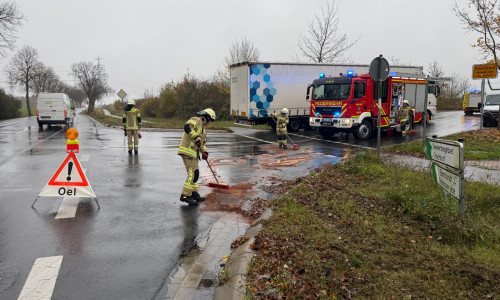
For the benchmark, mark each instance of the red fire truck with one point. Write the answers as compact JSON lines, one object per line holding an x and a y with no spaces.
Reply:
{"x":350,"y":104}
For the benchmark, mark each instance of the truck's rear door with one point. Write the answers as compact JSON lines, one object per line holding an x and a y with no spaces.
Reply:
{"x":240,"y":91}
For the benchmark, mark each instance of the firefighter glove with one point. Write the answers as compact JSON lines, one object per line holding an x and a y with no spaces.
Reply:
{"x":197,"y":141}
{"x":204,"y":155}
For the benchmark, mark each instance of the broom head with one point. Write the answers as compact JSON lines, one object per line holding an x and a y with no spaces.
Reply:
{"x":295,"y":147}
{"x":218,"y":185}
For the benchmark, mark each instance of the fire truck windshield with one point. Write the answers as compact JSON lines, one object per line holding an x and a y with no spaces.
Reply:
{"x":336,"y":91}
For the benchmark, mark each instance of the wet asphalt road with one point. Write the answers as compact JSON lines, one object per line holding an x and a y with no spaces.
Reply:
{"x":131,"y":246}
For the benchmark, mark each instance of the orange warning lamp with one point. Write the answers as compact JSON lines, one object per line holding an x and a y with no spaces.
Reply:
{"x":72,"y":143}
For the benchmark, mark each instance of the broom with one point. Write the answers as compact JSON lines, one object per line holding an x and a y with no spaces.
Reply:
{"x":295,"y":146}
{"x":217,"y":185}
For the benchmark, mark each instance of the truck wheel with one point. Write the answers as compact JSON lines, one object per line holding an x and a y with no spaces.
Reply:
{"x":294,"y":125}
{"x":326,"y":133}
{"x":364,"y":131}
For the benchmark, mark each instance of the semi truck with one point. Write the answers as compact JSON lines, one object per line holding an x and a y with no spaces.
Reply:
{"x":472,"y":102}
{"x":349,"y":103}
{"x":259,"y":89}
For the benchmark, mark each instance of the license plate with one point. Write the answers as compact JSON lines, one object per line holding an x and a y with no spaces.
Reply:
{"x":328,"y":120}
{"x":45,"y":117}
{"x":328,"y":123}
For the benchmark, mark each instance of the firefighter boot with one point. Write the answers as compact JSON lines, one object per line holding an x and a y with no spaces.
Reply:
{"x":284,"y":146}
{"x":189,"y":200}
{"x":136,"y":151}
{"x":197,"y":197}
{"x":281,"y":146}
{"x":129,"y":151}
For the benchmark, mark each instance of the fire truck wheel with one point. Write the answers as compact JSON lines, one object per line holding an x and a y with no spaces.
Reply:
{"x":364,"y":131}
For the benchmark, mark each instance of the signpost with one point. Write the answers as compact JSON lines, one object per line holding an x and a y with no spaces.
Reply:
{"x":447,"y":167}
{"x":379,"y":71}
{"x":482,"y":72}
{"x":122,"y":95}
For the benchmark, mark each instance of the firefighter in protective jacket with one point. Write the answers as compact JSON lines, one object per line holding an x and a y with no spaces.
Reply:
{"x":193,"y":142}
{"x":404,"y":115}
{"x":281,"y":123}
{"x":131,"y":124}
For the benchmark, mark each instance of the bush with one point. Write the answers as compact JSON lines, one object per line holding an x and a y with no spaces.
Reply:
{"x":150,"y":107}
{"x":9,"y":107}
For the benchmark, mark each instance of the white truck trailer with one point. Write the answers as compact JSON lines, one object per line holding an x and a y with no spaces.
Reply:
{"x":259,"y":89}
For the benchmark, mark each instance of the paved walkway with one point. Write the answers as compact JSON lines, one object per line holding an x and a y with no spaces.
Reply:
{"x":482,"y":171}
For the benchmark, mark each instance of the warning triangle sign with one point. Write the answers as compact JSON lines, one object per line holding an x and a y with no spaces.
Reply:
{"x":68,"y":181}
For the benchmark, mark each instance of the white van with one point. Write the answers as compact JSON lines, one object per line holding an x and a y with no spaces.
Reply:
{"x":53,"y":108}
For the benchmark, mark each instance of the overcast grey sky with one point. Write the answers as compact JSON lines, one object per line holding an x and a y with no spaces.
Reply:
{"x":146,"y":43}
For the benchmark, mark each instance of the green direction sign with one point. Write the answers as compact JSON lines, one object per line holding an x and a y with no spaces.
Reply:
{"x":445,"y":152}
{"x":448,"y":181}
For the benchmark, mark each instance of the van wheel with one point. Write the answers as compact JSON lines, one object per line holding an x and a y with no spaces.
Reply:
{"x":40,"y":125}
{"x":485,"y":124}
{"x":294,"y":125}
{"x":364,"y":131}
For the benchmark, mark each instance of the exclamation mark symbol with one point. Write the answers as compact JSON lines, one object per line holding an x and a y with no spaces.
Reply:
{"x":70,"y":166}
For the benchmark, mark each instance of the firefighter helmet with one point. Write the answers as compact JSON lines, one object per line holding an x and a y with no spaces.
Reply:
{"x":207,"y":112}
{"x":284,"y":110}
{"x":131,"y":102}
{"x":406,"y":102}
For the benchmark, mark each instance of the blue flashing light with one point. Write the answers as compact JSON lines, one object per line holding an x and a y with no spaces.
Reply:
{"x":473,"y":90}
{"x":321,"y":75}
{"x":350,"y":73}
{"x":392,"y":74}
{"x":337,"y":114}
{"x":317,"y":114}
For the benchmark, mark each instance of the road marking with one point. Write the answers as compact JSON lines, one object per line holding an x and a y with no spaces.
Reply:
{"x":333,"y":142}
{"x":42,"y":278}
{"x":254,"y":138}
{"x":85,"y":157}
{"x":28,"y":148}
{"x":68,"y":207}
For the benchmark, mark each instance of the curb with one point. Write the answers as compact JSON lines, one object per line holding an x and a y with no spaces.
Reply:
{"x":237,"y":264}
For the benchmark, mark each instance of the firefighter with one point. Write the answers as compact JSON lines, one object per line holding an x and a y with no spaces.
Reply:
{"x":131,"y":124}
{"x":281,"y":123}
{"x":404,"y":117}
{"x":193,"y":142}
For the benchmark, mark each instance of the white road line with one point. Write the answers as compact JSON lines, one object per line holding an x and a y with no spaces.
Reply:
{"x":68,"y":207}
{"x":42,"y":278}
{"x":328,"y":141}
{"x":85,"y":157}
{"x":254,"y":138}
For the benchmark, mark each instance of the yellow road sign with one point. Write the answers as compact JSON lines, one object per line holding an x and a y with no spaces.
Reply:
{"x":484,"y":71}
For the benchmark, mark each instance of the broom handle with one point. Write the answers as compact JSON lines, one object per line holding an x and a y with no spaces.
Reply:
{"x":212,"y":171}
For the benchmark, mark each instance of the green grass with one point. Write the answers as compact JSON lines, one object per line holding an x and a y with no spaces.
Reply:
{"x":24,"y":111}
{"x":477,"y":145}
{"x":174,"y":123}
{"x":367,"y":230}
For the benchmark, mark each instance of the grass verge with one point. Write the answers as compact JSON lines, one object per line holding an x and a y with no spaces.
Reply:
{"x":478,"y":145}
{"x":173,"y":123}
{"x":367,"y":230}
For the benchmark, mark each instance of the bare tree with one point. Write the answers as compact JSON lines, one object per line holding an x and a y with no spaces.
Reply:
{"x":93,"y":80}
{"x":435,"y":69}
{"x":21,"y":70}
{"x":484,"y":20}
{"x":10,"y":20}
{"x":75,"y":94}
{"x":242,"y":51}
{"x":45,"y":80}
{"x":324,"y":43}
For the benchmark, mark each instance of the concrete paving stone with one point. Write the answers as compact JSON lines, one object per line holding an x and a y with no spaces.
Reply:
{"x":211,"y":249}
{"x":192,"y":280}
{"x":204,"y":258}
{"x":228,"y":293}
{"x":172,"y":290}
{"x":197,"y":269}
{"x":184,"y":293}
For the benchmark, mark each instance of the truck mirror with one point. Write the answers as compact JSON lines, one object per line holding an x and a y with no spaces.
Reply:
{"x":438,"y":90}
{"x":308,"y":90}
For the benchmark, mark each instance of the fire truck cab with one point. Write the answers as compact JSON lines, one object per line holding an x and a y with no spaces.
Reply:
{"x":350,"y":103}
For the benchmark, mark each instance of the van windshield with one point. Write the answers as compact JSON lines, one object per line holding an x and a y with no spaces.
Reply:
{"x":340,"y":91}
{"x":492,"y":100}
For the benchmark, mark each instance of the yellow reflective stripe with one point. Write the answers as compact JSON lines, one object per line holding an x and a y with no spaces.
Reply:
{"x":203,"y":148}
{"x":187,"y":151}
{"x":188,"y":187}
{"x":192,"y":134}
